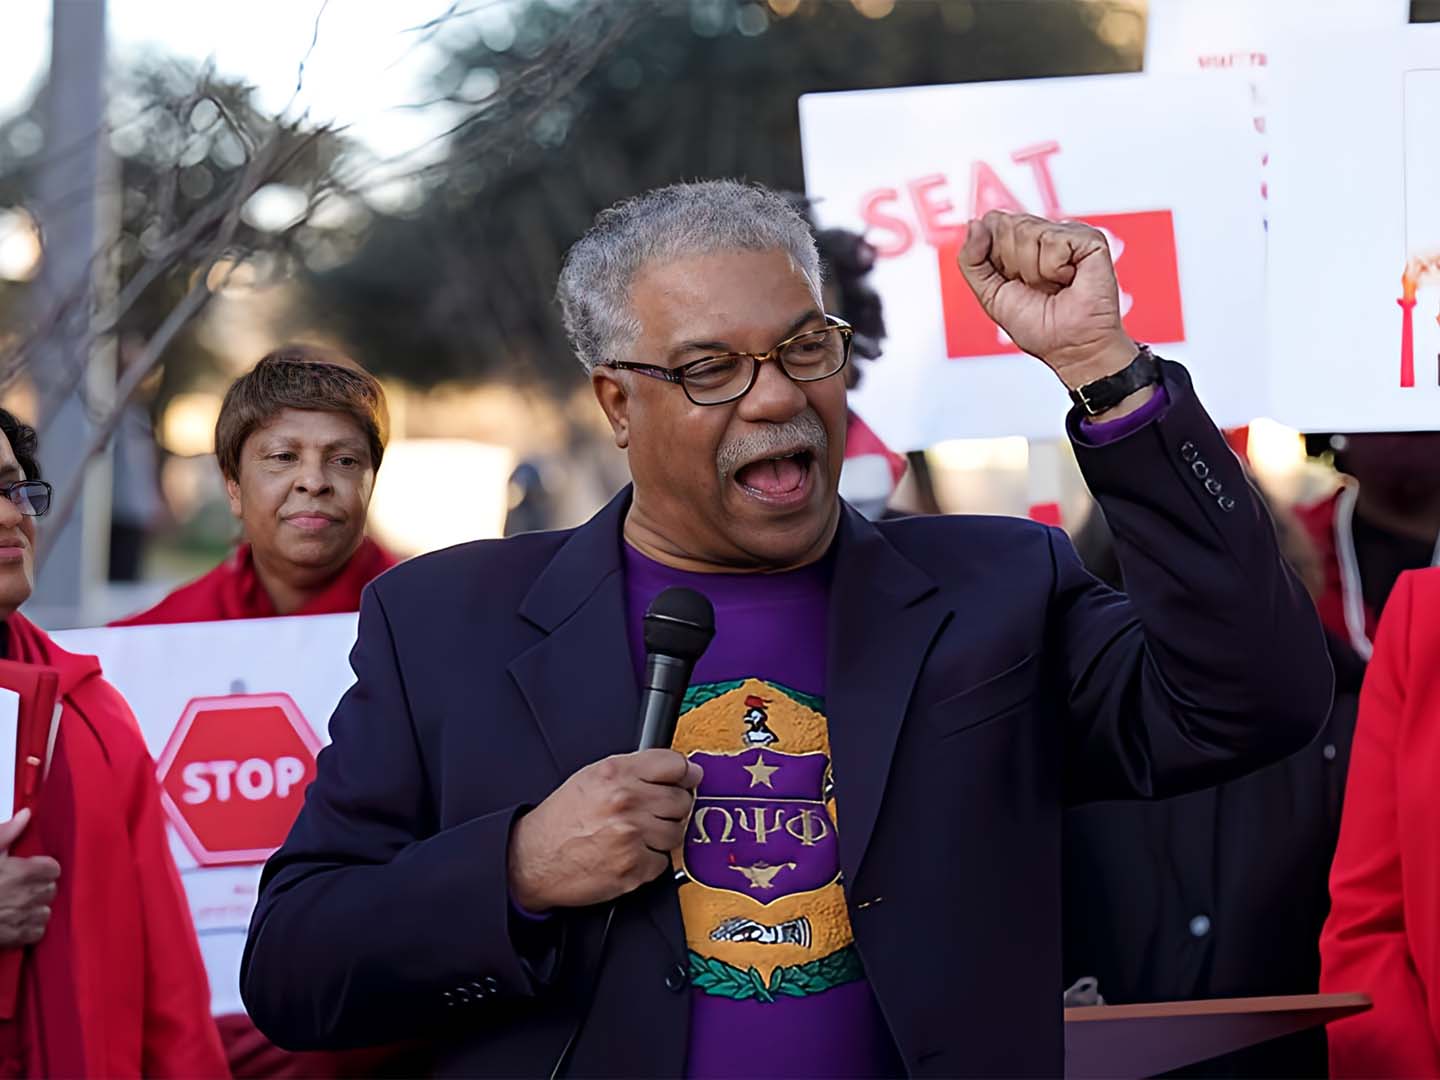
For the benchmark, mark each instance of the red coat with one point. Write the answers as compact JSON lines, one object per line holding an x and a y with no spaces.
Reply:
{"x":1383,"y":933}
{"x":233,"y":591}
{"x":116,"y":987}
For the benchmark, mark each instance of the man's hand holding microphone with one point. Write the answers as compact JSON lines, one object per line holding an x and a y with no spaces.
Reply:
{"x":606,"y":831}
{"x":611,"y":826}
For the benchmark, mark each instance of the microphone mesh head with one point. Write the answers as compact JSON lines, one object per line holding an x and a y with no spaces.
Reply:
{"x":679,"y":622}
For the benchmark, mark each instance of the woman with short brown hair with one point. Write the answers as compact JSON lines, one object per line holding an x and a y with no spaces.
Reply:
{"x":299,"y":440}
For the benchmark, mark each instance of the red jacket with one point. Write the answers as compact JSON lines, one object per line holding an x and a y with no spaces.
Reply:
{"x":1383,"y":933}
{"x":116,"y":987}
{"x":233,"y":591}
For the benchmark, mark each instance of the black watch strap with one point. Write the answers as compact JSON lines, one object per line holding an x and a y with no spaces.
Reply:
{"x":1104,"y":394}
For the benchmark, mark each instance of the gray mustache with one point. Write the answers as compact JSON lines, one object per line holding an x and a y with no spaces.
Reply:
{"x":804,"y":432}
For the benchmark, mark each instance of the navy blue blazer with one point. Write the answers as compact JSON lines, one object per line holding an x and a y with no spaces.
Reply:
{"x":979,"y":680}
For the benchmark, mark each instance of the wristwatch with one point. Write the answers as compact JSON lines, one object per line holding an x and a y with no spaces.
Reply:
{"x":1104,"y":394}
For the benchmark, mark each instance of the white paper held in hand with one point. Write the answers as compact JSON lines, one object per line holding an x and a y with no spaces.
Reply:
{"x":9,"y":747}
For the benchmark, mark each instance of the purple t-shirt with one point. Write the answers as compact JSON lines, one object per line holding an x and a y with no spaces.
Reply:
{"x":777,"y":988}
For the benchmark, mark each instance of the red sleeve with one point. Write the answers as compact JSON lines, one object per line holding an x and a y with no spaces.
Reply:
{"x":180,"y":1036}
{"x":1364,"y":945}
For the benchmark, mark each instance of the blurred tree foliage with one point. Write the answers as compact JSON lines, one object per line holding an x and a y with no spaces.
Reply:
{"x":565,"y":106}
{"x":463,"y":286}
{"x":181,"y":140}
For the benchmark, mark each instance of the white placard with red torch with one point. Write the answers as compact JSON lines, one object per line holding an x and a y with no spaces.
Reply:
{"x":1354,"y":265}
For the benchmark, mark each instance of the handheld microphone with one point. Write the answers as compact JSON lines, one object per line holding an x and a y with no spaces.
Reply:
{"x":678,"y":627}
{"x":679,"y":624}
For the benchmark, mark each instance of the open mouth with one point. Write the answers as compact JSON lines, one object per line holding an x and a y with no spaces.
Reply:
{"x":784,"y":479}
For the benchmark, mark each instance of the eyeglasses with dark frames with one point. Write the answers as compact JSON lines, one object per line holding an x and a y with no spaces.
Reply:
{"x":808,"y":356}
{"x":31,"y":497}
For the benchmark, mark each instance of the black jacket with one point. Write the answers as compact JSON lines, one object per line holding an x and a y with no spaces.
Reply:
{"x":1221,"y":893}
{"x":978,"y":680}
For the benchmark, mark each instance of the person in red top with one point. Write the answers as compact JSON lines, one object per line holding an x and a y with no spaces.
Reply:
{"x":299,"y":440}
{"x":100,"y":970}
{"x":1383,"y":520}
{"x":1383,"y":934}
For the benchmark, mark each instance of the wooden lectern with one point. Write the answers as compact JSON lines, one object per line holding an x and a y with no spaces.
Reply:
{"x":1127,"y":1042}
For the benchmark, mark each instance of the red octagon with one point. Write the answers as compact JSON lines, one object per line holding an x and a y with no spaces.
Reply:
{"x":234,"y":773}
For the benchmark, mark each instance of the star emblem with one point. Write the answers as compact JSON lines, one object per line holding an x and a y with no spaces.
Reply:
{"x":760,"y":773}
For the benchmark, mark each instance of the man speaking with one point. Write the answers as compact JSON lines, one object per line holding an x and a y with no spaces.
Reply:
{"x":849,"y":863}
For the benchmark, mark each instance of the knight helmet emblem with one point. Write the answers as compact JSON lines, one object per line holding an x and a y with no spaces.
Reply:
{"x":757,"y":728}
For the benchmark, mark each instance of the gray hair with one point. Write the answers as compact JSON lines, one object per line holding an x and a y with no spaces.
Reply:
{"x":659,"y":226}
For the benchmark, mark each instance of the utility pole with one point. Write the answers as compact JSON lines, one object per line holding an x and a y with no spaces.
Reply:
{"x":74,"y":375}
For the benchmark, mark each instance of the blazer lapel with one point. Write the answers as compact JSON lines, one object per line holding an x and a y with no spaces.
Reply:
{"x":884,"y":615}
{"x":579,"y":679}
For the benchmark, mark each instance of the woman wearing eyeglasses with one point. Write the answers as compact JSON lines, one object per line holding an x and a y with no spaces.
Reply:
{"x":100,"y":970}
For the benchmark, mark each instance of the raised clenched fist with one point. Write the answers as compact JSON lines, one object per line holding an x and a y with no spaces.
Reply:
{"x":1051,"y":286}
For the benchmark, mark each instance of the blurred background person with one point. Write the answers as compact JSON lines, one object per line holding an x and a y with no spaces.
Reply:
{"x":299,"y":441}
{"x":532,"y":506}
{"x":1221,"y":893}
{"x":111,"y":982}
{"x":874,"y":479}
{"x":1382,"y":520}
{"x":137,"y":507}
{"x":1383,"y":933}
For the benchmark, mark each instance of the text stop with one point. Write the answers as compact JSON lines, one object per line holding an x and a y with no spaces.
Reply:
{"x":253,"y":779}
{"x":233,"y":775}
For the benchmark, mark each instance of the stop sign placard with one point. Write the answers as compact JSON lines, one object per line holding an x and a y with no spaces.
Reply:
{"x":234,"y":773}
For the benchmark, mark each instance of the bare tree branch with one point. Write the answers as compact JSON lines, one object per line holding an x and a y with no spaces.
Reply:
{"x":571,"y":59}
{"x":314,"y":40}
{"x":195,"y":243}
{"x":179,"y":317}
{"x":182,"y":313}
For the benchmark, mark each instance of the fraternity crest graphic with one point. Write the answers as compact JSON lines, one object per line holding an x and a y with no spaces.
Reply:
{"x":759,"y":871}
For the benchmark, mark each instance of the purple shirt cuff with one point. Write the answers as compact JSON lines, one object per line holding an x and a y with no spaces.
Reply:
{"x":528,"y":916}
{"x":1108,"y":431}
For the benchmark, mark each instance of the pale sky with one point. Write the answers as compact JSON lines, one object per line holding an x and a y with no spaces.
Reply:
{"x":364,"y":69}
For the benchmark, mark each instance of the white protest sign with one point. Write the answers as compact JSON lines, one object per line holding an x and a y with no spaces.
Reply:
{"x":1354,"y":248}
{"x":1229,"y":38}
{"x":1223,"y":38}
{"x":1164,"y":164}
{"x":1205,"y":35}
{"x":233,"y":713}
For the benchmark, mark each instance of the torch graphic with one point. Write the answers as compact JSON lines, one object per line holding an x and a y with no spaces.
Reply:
{"x":1417,"y":270}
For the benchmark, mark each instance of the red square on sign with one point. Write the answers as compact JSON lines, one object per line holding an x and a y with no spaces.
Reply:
{"x":1143,"y":247}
